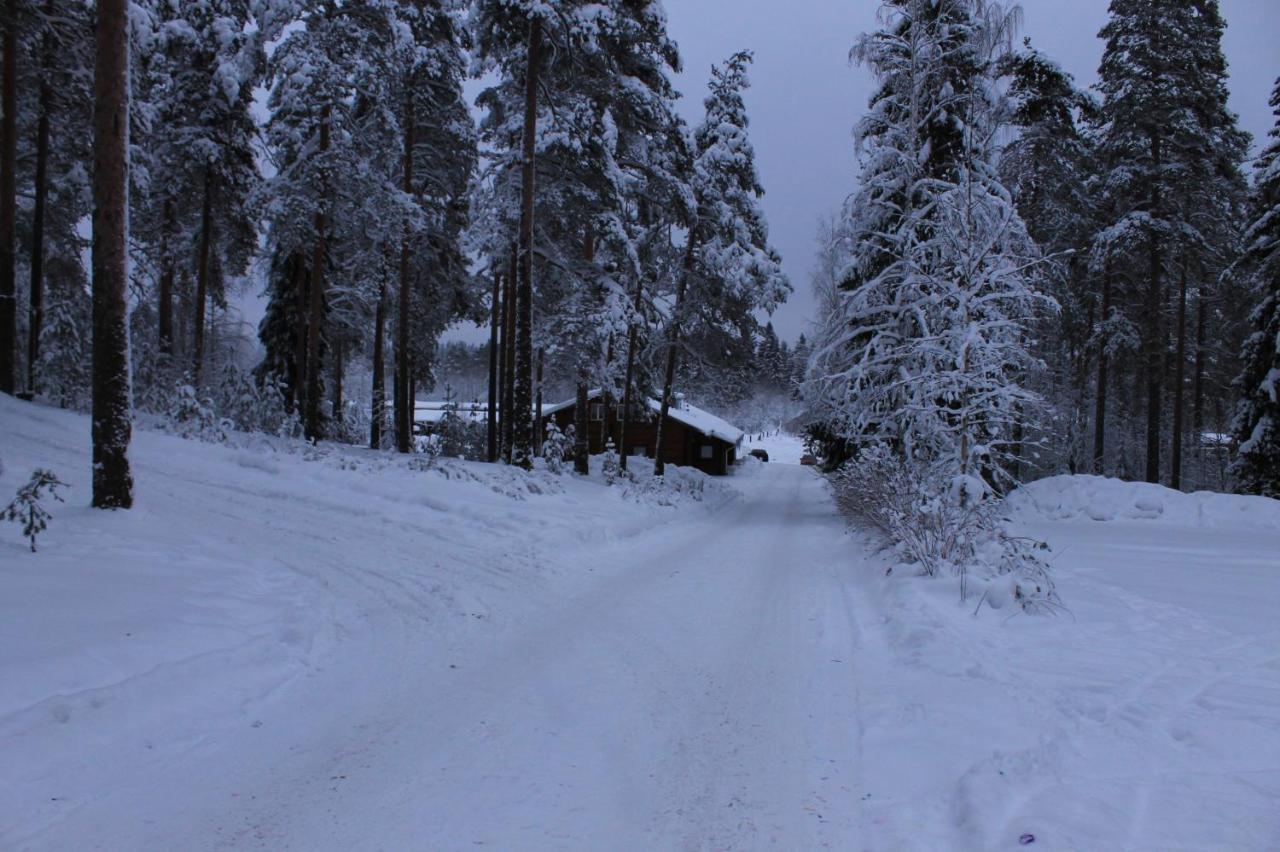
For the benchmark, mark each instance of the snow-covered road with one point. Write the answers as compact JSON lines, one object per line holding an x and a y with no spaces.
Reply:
{"x":697,"y":694}
{"x":287,"y":648}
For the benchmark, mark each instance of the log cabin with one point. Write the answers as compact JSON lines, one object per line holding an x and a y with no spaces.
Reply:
{"x":694,"y":438}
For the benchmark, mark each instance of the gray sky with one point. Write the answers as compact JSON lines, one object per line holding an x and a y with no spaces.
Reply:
{"x":805,"y":96}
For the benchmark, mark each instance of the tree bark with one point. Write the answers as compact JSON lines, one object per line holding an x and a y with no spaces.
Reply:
{"x":522,"y":398}
{"x":404,"y":400}
{"x":1100,"y":399}
{"x":379,"y":369}
{"x":337,"y":381}
{"x":628,"y":398}
{"x":491,"y":415}
{"x":673,"y":348}
{"x":1180,"y":368}
{"x":166,"y":284}
{"x":537,"y":405}
{"x":315,"y":320}
{"x":202,"y":280}
{"x":36,"y":317}
{"x":8,"y":204}
{"x":112,"y":394}
{"x":302,"y":287}
{"x":581,"y":423}
{"x":506,"y":420}
{"x":1154,"y":345}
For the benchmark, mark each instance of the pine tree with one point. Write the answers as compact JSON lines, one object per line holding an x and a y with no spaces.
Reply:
{"x":1168,"y":143}
{"x":729,"y":269}
{"x":112,"y":404}
{"x":1256,"y":467}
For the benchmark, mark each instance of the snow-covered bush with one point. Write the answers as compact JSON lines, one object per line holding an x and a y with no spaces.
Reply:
{"x":557,"y":447}
{"x":943,"y":524}
{"x":26,"y":508}
{"x":256,"y":406}
{"x":190,"y":415}
{"x":353,"y":427}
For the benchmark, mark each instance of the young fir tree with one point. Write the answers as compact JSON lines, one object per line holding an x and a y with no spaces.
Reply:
{"x":926,"y":349}
{"x":729,"y":270}
{"x":1256,"y":467}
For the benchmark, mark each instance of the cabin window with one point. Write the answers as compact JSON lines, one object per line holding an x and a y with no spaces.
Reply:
{"x":707,"y":452}
{"x":597,"y":411}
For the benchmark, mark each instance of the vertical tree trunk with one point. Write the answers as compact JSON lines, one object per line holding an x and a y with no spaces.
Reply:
{"x":302,"y":287}
{"x":404,"y":400}
{"x":8,"y":203}
{"x":379,"y":369}
{"x":506,"y":420}
{"x":36,"y":319}
{"x":522,"y":398}
{"x":202,"y":280}
{"x":1100,"y":399}
{"x":537,"y":405}
{"x":491,"y":415}
{"x":628,"y":394}
{"x":1197,"y":384}
{"x":315,"y":319}
{"x":673,"y":348}
{"x":166,"y":283}
{"x":337,"y":380}
{"x":112,"y":394}
{"x":1180,"y":369}
{"x":1154,"y":345}
{"x":581,"y":423}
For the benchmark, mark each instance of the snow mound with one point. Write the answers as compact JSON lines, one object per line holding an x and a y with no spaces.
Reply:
{"x":1099,"y":498}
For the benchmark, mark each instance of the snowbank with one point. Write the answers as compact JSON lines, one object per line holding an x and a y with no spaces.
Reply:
{"x":1097,"y":498}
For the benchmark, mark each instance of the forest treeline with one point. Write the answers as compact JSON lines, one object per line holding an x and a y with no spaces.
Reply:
{"x":324,"y":147}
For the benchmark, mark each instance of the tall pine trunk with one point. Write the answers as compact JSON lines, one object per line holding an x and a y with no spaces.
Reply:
{"x":1100,"y":398}
{"x":315,"y":313}
{"x":112,"y":394}
{"x":1180,"y":369}
{"x":8,"y":203}
{"x":522,"y":398}
{"x":404,"y":400}
{"x":301,"y":291}
{"x":202,"y":280}
{"x":673,"y":349}
{"x":628,"y":397}
{"x":166,"y":283}
{"x":491,"y":415}
{"x":1154,"y":345}
{"x":506,"y":420}
{"x":537,"y":404}
{"x":581,"y":423}
{"x":337,"y":380}
{"x":36,"y":316}
{"x":379,"y":369}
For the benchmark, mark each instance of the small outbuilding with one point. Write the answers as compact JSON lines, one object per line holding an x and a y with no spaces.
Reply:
{"x":694,"y":438}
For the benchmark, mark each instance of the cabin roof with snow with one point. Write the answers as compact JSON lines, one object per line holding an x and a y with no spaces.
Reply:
{"x":681,"y":411}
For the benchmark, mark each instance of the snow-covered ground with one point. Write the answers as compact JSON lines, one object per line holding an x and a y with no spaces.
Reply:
{"x":281,"y":649}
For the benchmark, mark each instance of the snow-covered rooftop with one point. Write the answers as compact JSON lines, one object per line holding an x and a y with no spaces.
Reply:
{"x":690,"y":415}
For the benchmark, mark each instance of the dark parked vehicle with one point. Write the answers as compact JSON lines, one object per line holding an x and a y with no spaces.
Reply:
{"x":808,"y":458}
{"x":760,"y":454}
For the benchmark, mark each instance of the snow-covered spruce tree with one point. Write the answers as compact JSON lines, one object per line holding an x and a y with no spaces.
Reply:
{"x":1045,"y":169}
{"x":203,"y":172}
{"x":1167,"y":143}
{"x":729,"y":270}
{"x":929,"y":343}
{"x":1256,"y":468}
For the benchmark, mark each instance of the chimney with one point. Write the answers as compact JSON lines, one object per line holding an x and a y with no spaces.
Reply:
{"x":679,"y":398}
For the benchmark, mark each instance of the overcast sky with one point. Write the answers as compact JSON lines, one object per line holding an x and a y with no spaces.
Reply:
{"x":805,"y":96}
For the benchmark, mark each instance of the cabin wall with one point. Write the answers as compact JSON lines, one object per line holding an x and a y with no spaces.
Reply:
{"x":681,"y":446}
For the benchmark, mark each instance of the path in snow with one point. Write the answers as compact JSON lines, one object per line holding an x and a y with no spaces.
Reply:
{"x":699,"y":695}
